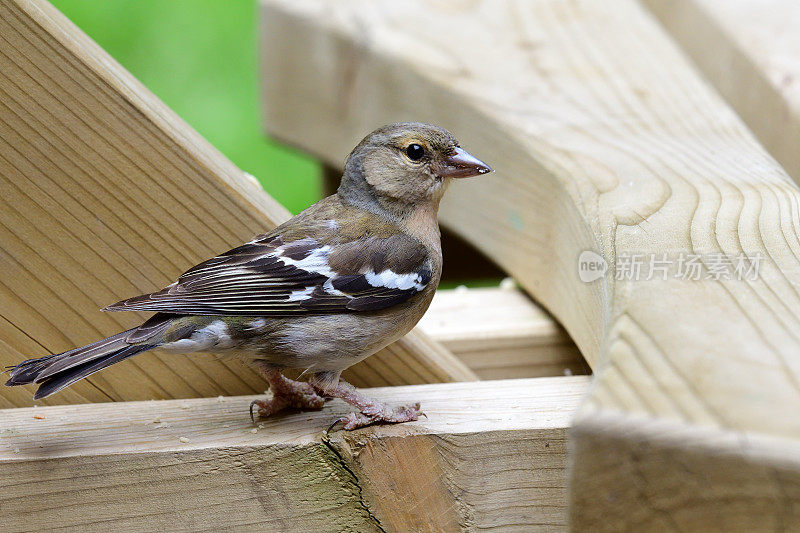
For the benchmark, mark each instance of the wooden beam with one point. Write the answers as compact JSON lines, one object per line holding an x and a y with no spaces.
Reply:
{"x":500,"y":333}
{"x":106,"y":193}
{"x":749,"y":51}
{"x":604,"y":140}
{"x":489,"y":454}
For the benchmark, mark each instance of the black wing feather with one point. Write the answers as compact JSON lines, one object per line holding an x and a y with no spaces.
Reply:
{"x":269,"y":278}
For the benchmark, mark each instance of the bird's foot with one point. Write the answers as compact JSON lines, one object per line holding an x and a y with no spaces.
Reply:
{"x":378,"y":413}
{"x":286,"y":393}
{"x":370,"y":411}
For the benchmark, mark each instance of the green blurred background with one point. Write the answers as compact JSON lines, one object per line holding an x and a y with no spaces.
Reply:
{"x":199,"y":57}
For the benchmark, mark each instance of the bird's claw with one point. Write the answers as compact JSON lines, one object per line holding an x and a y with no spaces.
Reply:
{"x":265,"y":408}
{"x":387,"y":415}
{"x":335,"y":422}
{"x":252,"y":417}
{"x":296,"y":399}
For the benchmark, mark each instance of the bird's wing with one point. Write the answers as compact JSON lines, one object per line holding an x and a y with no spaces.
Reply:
{"x":270,"y":277}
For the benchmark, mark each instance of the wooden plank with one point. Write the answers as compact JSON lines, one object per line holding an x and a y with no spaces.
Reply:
{"x":604,"y":139}
{"x":105,"y":193}
{"x":487,"y":455}
{"x":500,"y":333}
{"x":750,"y":51}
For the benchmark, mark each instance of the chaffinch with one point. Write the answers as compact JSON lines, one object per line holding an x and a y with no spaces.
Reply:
{"x":331,"y":286}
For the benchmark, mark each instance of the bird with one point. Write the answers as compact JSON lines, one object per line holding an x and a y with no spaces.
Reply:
{"x":331,"y":286}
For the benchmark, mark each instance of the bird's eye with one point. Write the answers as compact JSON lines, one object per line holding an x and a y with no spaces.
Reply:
{"x":415,"y":152}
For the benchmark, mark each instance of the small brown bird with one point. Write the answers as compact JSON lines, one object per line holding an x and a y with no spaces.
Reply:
{"x":328,"y":288}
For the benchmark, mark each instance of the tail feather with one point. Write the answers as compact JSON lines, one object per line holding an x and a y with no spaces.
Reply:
{"x":84,"y":354}
{"x":26,"y":371}
{"x":56,"y":382}
{"x":57,"y":371}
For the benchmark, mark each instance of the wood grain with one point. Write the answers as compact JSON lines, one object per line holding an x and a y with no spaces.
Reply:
{"x":750,"y":51}
{"x":488,"y":455}
{"x":603,"y":138}
{"x":105,"y":193}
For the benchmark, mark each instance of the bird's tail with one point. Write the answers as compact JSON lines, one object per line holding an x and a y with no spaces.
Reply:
{"x":57,"y":371}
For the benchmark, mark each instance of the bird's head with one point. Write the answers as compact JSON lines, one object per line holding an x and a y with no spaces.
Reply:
{"x":407,"y":164}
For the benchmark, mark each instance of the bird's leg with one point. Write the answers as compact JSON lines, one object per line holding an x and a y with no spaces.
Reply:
{"x":285,"y":393}
{"x":370,"y":411}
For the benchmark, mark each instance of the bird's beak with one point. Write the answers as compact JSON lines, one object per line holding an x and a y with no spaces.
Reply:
{"x":462,"y":164}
